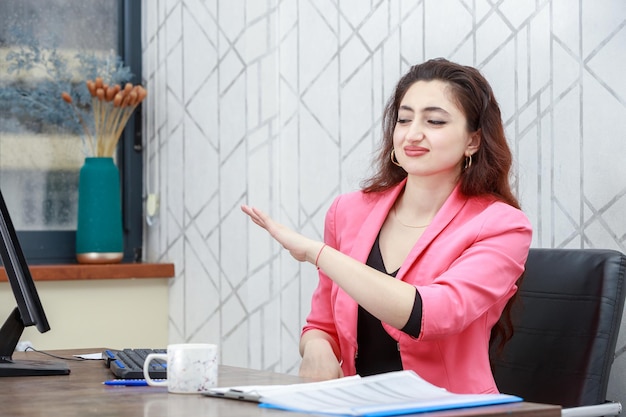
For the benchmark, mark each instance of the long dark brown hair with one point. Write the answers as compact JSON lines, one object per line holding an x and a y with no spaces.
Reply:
{"x":491,"y":164}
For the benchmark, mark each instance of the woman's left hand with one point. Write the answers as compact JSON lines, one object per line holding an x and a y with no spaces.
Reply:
{"x":299,"y":246}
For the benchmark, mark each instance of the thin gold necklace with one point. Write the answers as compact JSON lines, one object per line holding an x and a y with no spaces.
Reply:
{"x":395,"y":214}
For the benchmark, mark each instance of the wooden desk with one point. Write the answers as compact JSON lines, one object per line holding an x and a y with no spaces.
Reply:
{"x":82,"y":394}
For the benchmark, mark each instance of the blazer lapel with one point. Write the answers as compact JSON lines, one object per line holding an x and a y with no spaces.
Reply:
{"x":346,"y":308}
{"x":444,"y":216}
{"x":373,"y":222}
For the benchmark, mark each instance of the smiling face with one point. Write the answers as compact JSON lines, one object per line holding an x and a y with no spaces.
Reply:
{"x":431,"y":138}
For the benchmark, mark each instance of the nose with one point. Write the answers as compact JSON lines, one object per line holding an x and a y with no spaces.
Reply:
{"x":415,"y":132}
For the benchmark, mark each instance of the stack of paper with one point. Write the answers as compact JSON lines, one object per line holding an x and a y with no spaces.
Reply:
{"x":393,"y":393}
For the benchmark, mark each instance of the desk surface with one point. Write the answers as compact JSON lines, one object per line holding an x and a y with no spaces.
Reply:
{"x":82,"y":394}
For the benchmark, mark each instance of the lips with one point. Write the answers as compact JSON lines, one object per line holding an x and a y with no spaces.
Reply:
{"x":415,"y":151}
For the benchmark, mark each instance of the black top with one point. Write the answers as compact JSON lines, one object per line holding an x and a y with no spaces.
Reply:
{"x":377,"y":351}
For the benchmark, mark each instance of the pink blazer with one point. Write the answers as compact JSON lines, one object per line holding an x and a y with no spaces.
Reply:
{"x":464,"y":266}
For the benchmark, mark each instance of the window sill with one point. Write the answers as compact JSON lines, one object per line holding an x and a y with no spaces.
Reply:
{"x":88,"y":272}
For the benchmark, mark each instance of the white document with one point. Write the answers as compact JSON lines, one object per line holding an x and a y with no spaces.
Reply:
{"x":393,"y":393}
{"x":257,"y":392}
{"x":90,"y":356}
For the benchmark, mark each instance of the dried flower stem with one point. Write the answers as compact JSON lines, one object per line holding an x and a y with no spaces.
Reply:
{"x":112,"y":106}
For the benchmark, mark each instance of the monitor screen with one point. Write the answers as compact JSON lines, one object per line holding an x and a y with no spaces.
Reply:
{"x":28,"y":310}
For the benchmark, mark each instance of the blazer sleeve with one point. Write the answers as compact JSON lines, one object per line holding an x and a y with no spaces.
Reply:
{"x":482,"y":278}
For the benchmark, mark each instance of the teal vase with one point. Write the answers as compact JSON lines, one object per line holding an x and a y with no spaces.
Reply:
{"x":99,"y":236}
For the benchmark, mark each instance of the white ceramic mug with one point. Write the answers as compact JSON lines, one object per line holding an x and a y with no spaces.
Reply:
{"x":191,"y":368}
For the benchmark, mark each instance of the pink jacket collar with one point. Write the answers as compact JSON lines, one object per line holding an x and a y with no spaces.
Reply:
{"x":378,"y":213}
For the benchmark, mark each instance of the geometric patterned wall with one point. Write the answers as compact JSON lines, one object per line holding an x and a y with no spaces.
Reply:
{"x":277,"y":103}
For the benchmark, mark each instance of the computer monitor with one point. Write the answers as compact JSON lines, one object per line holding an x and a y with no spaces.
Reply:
{"x":28,"y":312}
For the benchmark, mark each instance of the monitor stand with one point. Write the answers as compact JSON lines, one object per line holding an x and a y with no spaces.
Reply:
{"x":10,"y":334}
{"x":33,"y":368}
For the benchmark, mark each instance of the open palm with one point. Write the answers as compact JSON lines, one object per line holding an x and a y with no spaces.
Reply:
{"x":298,"y":245}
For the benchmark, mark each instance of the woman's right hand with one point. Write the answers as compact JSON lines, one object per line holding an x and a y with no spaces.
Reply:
{"x":319,"y":361}
{"x":299,"y":246}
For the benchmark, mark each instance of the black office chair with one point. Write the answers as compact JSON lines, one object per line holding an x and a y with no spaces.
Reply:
{"x":566,"y":323}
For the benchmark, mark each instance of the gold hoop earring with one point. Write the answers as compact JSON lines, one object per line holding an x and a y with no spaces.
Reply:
{"x":394,"y":160}
{"x":468,"y":161}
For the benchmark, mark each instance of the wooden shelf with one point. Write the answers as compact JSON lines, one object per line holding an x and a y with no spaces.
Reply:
{"x":106,"y":271}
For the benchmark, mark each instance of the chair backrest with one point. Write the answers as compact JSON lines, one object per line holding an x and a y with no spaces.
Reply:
{"x":566,"y":323}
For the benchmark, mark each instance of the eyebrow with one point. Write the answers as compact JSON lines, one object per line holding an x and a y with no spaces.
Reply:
{"x":425,"y":109}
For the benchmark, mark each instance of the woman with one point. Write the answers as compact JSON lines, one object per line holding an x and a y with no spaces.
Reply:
{"x":416,"y":268}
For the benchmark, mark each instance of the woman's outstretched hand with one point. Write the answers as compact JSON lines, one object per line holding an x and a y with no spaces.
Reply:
{"x":299,"y":246}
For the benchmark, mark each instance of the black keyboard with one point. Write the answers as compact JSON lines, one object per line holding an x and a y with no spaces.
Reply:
{"x":128,"y":363}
